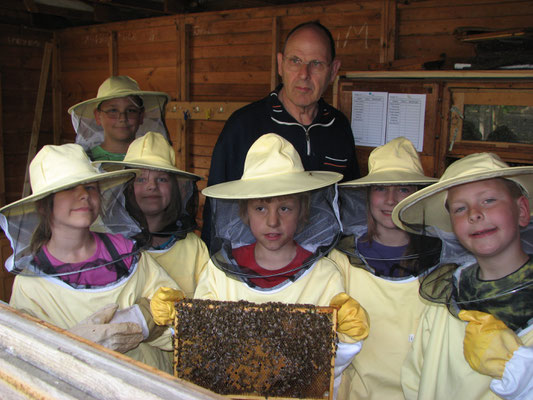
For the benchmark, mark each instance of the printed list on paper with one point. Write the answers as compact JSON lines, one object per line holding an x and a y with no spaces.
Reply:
{"x":378,"y":117}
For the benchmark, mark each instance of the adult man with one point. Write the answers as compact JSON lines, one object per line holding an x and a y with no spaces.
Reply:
{"x":295,"y":110}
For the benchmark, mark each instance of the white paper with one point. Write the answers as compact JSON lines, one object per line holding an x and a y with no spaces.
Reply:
{"x":378,"y":117}
{"x":405,"y":117}
{"x":369,"y":110}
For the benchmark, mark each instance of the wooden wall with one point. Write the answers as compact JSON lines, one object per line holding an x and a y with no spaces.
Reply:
{"x":21,"y":54}
{"x":222,"y":57}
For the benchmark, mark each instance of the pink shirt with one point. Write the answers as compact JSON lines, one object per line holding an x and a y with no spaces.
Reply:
{"x":98,"y":276}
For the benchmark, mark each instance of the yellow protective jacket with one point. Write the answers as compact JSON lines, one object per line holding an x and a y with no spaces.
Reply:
{"x":394,"y":309}
{"x":318,"y":285}
{"x":184,"y":261}
{"x":53,"y":301}
{"x":436,"y":369}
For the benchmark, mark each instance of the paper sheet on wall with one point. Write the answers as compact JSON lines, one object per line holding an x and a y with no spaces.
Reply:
{"x":378,"y":117}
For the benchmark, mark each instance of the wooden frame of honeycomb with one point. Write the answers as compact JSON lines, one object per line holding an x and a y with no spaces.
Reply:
{"x":255,"y":351}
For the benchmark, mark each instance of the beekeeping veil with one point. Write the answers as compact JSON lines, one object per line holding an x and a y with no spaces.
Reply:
{"x":427,"y":208}
{"x":89,"y":134}
{"x":395,"y":163}
{"x":152,"y":151}
{"x":55,"y":169}
{"x":273,"y":168}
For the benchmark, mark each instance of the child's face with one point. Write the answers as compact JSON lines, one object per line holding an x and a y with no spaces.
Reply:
{"x":383,"y":199}
{"x":76,"y":208}
{"x":153,"y":191}
{"x":119,"y":118}
{"x":274,"y":222}
{"x":486,"y":218}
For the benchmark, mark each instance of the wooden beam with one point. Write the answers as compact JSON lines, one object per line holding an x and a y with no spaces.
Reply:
{"x":388,"y":32}
{"x":181,"y":145}
{"x":451,"y":74}
{"x":56,"y":91}
{"x":2,"y":164}
{"x":47,"y":362}
{"x":113,"y":54}
{"x":184,"y":60}
{"x":202,"y":110}
{"x":34,"y":139}
{"x":274,"y":55}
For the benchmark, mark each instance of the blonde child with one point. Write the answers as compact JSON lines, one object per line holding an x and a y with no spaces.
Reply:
{"x":381,"y":266}
{"x":95,"y":285}
{"x":478,"y":343}
{"x":272,"y":229}
{"x":107,"y":124}
{"x":164,"y":200}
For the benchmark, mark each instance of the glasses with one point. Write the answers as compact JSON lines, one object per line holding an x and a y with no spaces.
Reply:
{"x":130,"y":113}
{"x":314,"y":66}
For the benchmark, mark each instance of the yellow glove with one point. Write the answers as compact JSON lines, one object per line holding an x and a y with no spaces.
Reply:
{"x":352,"y":319}
{"x":488,"y":343}
{"x":162,"y":305}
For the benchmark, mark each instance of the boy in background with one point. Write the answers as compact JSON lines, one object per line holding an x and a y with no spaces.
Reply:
{"x":107,"y":124}
{"x":480,"y":346}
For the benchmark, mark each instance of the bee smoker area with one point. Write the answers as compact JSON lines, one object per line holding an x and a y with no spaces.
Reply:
{"x":248,"y":350}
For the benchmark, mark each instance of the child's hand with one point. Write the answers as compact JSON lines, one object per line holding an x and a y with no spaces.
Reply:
{"x":162,"y":305}
{"x":97,"y":328}
{"x":352,"y":319}
{"x":488,"y":343}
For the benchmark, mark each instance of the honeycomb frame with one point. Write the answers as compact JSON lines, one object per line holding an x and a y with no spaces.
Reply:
{"x":256,"y":351}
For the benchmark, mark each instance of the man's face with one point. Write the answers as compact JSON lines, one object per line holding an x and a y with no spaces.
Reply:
{"x":303,"y":85}
{"x":486,"y":218}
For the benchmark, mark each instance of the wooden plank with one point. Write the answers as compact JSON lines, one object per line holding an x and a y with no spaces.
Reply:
{"x":249,"y":77}
{"x":56,"y":92}
{"x":206,"y":110}
{"x":38,"y":114}
{"x":2,"y":164}
{"x":448,"y":25}
{"x":229,"y":92}
{"x":230,"y":64}
{"x":113,"y":54}
{"x":184,"y":56}
{"x":182,"y":142}
{"x":274,"y":55}
{"x":456,"y":74}
{"x":231,"y":39}
{"x":419,"y":11}
{"x":81,"y":365}
{"x":388,"y":34}
{"x":148,"y":55}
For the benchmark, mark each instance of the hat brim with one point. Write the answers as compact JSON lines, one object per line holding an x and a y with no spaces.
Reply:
{"x":391,"y":177}
{"x":141,"y":165}
{"x":106,"y":180}
{"x":426,"y":207}
{"x":271,"y":186}
{"x":150,"y":99}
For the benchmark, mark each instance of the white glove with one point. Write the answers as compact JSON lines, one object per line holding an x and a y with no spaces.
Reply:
{"x":97,"y":328}
{"x":131,"y":314}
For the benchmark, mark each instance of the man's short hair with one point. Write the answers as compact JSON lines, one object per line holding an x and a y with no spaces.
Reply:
{"x":315,"y":24}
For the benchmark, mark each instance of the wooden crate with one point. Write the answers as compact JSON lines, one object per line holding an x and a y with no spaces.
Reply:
{"x":248,"y":350}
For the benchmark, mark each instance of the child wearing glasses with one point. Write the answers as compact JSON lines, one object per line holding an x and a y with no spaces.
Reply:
{"x":107,"y":124}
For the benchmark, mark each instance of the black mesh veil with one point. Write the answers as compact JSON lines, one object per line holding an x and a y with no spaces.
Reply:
{"x":318,"y":236}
